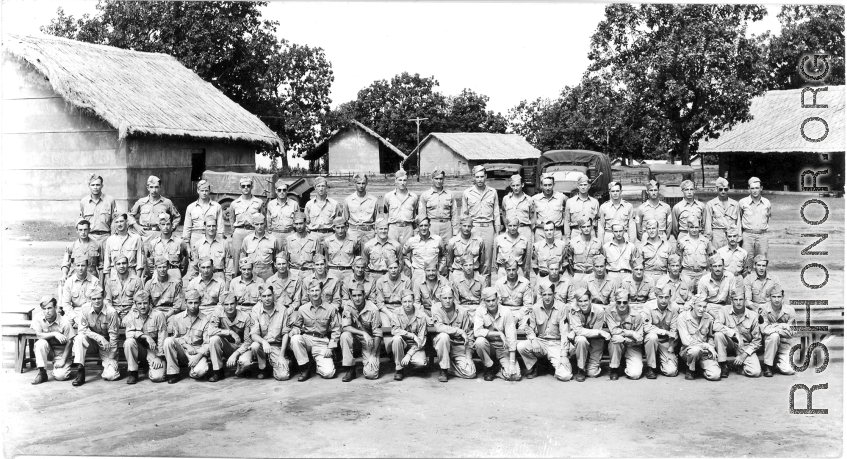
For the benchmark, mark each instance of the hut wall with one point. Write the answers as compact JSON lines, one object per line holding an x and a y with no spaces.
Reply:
{"x":739,"y":167}
{"x":50,"y":149}
{"x":353,"y":150}
{"x":435,"y":153}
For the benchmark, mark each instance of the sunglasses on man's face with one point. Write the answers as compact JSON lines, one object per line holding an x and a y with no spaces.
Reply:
{"x":723,"y":189}
{"x":622,"y":302}
{"x":282,"y":190}
{"x":246,"y":186}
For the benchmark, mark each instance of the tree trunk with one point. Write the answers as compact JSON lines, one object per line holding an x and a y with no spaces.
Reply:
{"x":684,"y":155}
{"x":286,"y":169}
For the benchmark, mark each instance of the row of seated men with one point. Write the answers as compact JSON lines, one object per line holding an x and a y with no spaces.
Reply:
{"x":557,"y":327}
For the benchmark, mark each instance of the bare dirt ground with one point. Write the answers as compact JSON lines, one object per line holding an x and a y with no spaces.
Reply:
{"x":419,"y":416}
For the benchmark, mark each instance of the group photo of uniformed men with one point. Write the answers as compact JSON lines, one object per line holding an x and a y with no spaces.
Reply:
{"x":532,"y":285}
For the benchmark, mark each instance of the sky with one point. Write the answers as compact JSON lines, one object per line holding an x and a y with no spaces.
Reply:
{"x":507,"y":51}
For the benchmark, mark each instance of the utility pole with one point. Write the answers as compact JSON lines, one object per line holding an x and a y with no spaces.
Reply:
{"x":417,"y":121}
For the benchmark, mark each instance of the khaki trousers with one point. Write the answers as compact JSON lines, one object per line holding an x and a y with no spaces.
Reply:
{"x":453,"y":357}
{"x":279,"y":362}
{"x":361,"y":236}
{"x":751,"y":366}
{"x":303,"y":345}
{"x":400,"y":234}
{"x":134,"y":350}
{"x":588,"y":352}
{"x":697,"y":354}
{"x":397,"y":346}
{"x":175,"y":356}
{"x":777,"y":351}
{"x":219,"y":351}
{"x":109,"y":357}
{"x":264,"y":271}
{"x":754,"y":244}
{"x":370,"y":355}
{"x":668,"y":364}
{"x":443,"y":229}
{"x":552,"y":350}
{"x":483,"y":350}
{"x":719,"y":238}
{"x":238,"y":235}
{"x":45,"y":352}
{"x":633,"y":354}
{"x":486,"y":233}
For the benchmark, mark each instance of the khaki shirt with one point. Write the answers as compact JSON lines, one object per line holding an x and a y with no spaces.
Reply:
{"x":457,"y":247}
{"x":639,"y":292}
{"x":400,"y":208}
{"x":736,"y":261}
{"x":682,"y":289}
{"x":563,"y":290}
{"x":247,"y":292}
{"x":146,"y":212}
{"x":755,"y":216}
{"x":459,"y":321}
{"x":724,"y":213}
{"x":508,"y":247}
{"x":61,"y":324}
{"x":502,"y":321}
{"x":319,"y":215}
{"x":693,"y":332}
{"x":100,"y":213}
{"x":281,"y":216}
{"x":195,"y":216}
{"x":221,"y":325}
{"x":694,"y":254}
{"x":129,"y":245}
{"x":544,"y":252}
{"x":786,"y":315}
{"x":656,"y":255}
{"x":577,"y":208}
{"x":388,"y":292}
{"x":661,"y":212}
{"x":581,"y":252}
{"x":522,"y":208}
{"x":416,"y":324}
{"x":318,"y":319}
{"x":620,"y":256}
{"x":425,"y":295}
{"x":105,"y":323}
{"x":467,"y":291}
{"x":438,"y":204}
{"x":79,"y":250}
{"x":541,"y":324}
{"x":166,"y":293}
{"x":219,"y":251}
{"x":211,"y":292}
{"x":756,"y":288}
{"x":746,"y":325}
{"x":259,"y":250}
{"x":119,"y":294}
{"x":154,"y":326}
{"x":632,"y":321}
{"x":361,"y":211}
{"x":366,"y":320}
{"x":580,"y":323}
{"x":340,"y":253}
{"x":420,"y":252}
{"x":190,"y":331}
{"x":269,"y":326}
{"x":375,"y":252}
{"x":601,"y":289}
{"x":330,"y":293}
{"x":682,"y":210}
{"x":482,"y":207}
{"x":514,"y":297}
{"x":174,"y":250}
{"x":287,"y":292}
{"x":301,"y":250}
{"x":655,"y":318}
{"x":716,"y":292}
{"x":242,"y":209}
{"x":609,"y":212}
{"x":78,"y":292}
{"x":550,"y":209}
{"x":349,"y":282}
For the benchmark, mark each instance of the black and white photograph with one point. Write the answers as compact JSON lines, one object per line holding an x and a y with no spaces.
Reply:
{"x":422,"y":229}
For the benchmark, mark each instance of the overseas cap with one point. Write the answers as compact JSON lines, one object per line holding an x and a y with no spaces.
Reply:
{"x":339,"y":221}
{"x":203,"y":184}
{"x":400,"y":174}
{"x":754,"y":180}
{"x":320,"y":180}
{"x":141,"y":296}
{"x":153,"y":180}
{"x":257,"y":218}
{"x":489,"y":292}
{"x":192,"y":294}
{"x":299,"y":217}
{"x":478,"y":169}
{"x":721,"y":182}
{"x":46,"y":299}
{"x":582,"y":178}
{"x":516,"y":179}
{"x":436,"y":172}
{"x":245,"y":181}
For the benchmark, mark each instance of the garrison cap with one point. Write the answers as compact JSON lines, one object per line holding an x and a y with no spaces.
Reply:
{"x":390,"y":258}
{"x":359,"y":260}
{"x":652,"y":183}
{"x":489,"y":292}
{"x":319,"y":258}
{"x":732,"y":230}
{"x":141,"y":296}
{"x":358,"y":288}
{"x":478,"y":169}
{"x":122,"y":257}
{"x":299,"y":217}
{"x":511,"y":262}
{"x":436,"y":172}
{"x":760,"y":257}
{"x":244,"y":262}
{"x":581,"y":178}
{"x":281,"y":183}
{"x":598,"y":259}
{"x":466,"y":219}
{"x":360,"y":176}
{"x":513,"y":220}
{"x":651,"y":222}
{"x":229,"y":297}
{"x":210,"y":219}
{"x":674,"y":258}
{"x":382,"y":222}
{"x":516,"y":179}
{"x":753,"y":180}
{"x":46,"y":299}
{"x":663,"y":290}
{"x":163,"y":216}
{"x":153,"y":180}
{"x":245,"y":181}
{"x":406,"y":292}
{"x":621,"y":294}
{"x":339,"y":221}
{"x":721,"y":182}
{"x":205,"y":260}
{"x":96,"y":293}
{"x":320,"y":180}
{"x":549,"y":175}
{"x":203,"y":184}
{"x":613,"y":184}
{"x":686,"y":183}
{"x":581,"y":291}
{"x":257,"y":218}
{"x":161,"y":261}
{"x":94,"y":177}
{"x":715,"y":259}
{"x":400,"y":174}
{"x":192,"y":294}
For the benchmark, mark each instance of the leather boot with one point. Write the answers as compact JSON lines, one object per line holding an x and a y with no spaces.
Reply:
{"x":40,"y":377}
{"x":350,"y":375}
{"x":650,"y":373}
{"x":132,"y":377}
{"x":80,"y":377}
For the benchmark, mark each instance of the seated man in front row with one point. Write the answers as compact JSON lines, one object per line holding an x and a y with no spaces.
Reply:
{"x":408,"y":336}
{"x":494,"y":327}
{"x":315,"y":330}
{"x":55,"y":335}
{"x":454,"y":342}
{"x":229,"y":338}
{"x":627,"y":329}
{"x":696,"y":330}
{"x":777,"y":324}
{"x":98,"y":323}
{"x":546,"y":327}
{"x":360,"y":321}
{"x":269,"y":336}
{"x":146,"y":331}
{"x":586,"y":320}
{"x":660,"y":334}
{"x":737,"y":328}
{"x":189,"y":340}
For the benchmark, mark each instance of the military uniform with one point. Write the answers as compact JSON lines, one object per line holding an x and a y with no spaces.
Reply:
{"x":754,"y":225}
{"x":661,"y":212}
{"x":483,"y":208}
{"x":193,"y":230}
{"x":94,"y":326}
{"x":174,"y":250}
{"x":166,"y":296}
{"x":340,"y":254}
{"x":330,"y":292}
{"x":441,"y":209}
{"x":426,"y":295}
{"x":682,"y":290}
{"x":420,"y":252}
{"x":457,"y":249}
{"x":581,"y":252}
{"x":740,"y":333}
{"x":128,"y":245}
{"x":50,"y":349}
{"x":118,"y":293}
{"x":242,"y":211}
{"x":468,"y":292}
{"x":261,"y":252}
{"x":502,"y":321}
{"x":145,"y":212}
{"x":736,"y":261}
{"x":452,"y":352}
{"x":80,"y":250}
{"x":657,"y":319}
{"x":619,"y":258}
{"x":642,"y":295}
{"x":287,"y":291}
{"x":544,"y":252}
{"x":601,"y":290}
{"x":301,"y":252}
{"x":349,"y":282}
{"x":246,"y":291}
{"x":401,"y":214}
{"x":549,"y":329}
{"x":563,"y":289}
{"x":187,"y":333}
{"x":511,"y":249}
{"x":630,"y":348}
{"x":722,"y":214}
{"x":694,"y":254}
{"x":575,"y":209}
{"x":655,"y":258}
{"x":717,"y":293}
{"x":271,"y":327}
{"x":361,"y":216}
{"x":319,"y":215}
{"x":367,"y":320}
{"x":388,"y":295}
{"x":514,"y":297}
{"x":588,"y":349}
{"x":221,"y":342}
{"x":211,"y":292}
{"x":755,"y":289}
{"x":610,"y":213}
{"x":135,"y":348}
{"x":698,"y":341}
{"x":523,"y":209}
{"x":99,"y":215}
{"x":319,"y":328}
{"x":375,"y":253}
{"x":281,"y":219}
{"x":777,"y":348}
{"x":220,"y":251}
{"x":76,"y":294}
{"x":682,"y":211}
{"x":401,"y":346}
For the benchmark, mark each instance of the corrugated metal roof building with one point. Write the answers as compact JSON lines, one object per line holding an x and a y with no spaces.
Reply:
{"x":459,"y":152}
{"x":783,"y":139}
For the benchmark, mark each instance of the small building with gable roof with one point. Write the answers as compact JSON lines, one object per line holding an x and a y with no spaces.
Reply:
{"x":357,"y":148}
{"x":459,"y":152}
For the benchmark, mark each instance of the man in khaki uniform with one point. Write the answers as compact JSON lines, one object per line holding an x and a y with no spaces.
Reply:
{"x":165,"y":289}
{"x":496,"y":335}
{"x":408,"y":337}
{"x":601,"y":287}
{"x":438,"y":205}
{"x":241,"y":210}
{"x":682,"y":287}
{"x":340,"y":249}
{"x":215,"y":247}
{"x":627,"y":329}
{"x":83,"y":247}
{"x":360,"y":321}
{"x":660,"y":334}
{"x":549,"y":206}
{"x":468,"y":288}
{"x":737,"y":328}
{"x":98,"y":323}
{"x":777,"y":325}
{"x":582,"y":249}
{"x":696,"y":330}
{"x":421,"y":250}
{"x":260,"y":248}
{"x":55,"y":336}
{"x":210,"y":288}
{"x":518,"y":205}
{"x":287,"y":288}
{"x":98,"y":209}
{"x":357,"y":278}
{"x":563,"y":289}
{"x":269,"y":336}
{"x":376,"y":250}
{"x":360,"y":210}
{"x":758,"y":282}
{"x":576,"y":208}
{"x":330,"y":285}
{"x":655,"y":250}
{"x":246,"y":287}
{"x":653,"y":209}
{"x":620,"y":254}
{"x":120,"y":289}
{"x":144,"y":215}
{"x":428,"y":289}
{"x":755,"y":216}
{"x":689,"y":210}
{"x":78,"y":290}
{"x":122,"y":243}
{"x":281,"y":214}
{"x":514,"y":290}
{"x":615,"y":210}
{"x":321,"y":210}
{"x":462,"y":245}
{"x":204,"y":207}
{"x":722,"y":212}
{"x":642,"y":296}
{"x":511,"y":245}
{"x":736,"y":260}
{"x":548,"y":250}
{"x":189,"y":340}
{"x":546,"y":326}
{"x":146,"y":331}
{"x":229,"y":339}
{"x":301,"y":248}
{"x":400,"y":206}
{"x":388,"y":289}
{"x":694,"y":250}
{"x":166,"y":246}
{"x":716,"y":286}
{"x":315,"y":330}
{"x":454,"y":342}
{"x":586,"y":321}
{"x":480,"y":202}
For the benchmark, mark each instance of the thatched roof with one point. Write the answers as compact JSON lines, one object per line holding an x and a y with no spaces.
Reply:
{"x":138,"y":93}
{"x":481,"y":146}
{"x":323,"y":147}
{"x":775,"y":127}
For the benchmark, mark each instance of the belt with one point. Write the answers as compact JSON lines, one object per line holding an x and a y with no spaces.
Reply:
{"x":164,"y":305}
{"x":247,"y":303}
{"x":754,"y":231}
{"x":341,"y":268}
{"x":583,"y":271}
{"x":524,"y":225}
{"x":389,"y":303}
{"x":719,"y":229}
{"x":560,"y":227}
{"x":301,"y":267}
{"x":98,"y":232}
{"x":620,"y":271}
{"x":244,"y":227}
{"x":440,"y":220}
{"x":322,"y":230}
{"x":218,"y":270}
{"x":543,"y":273}
{"x":401,"y":224}
{"x":696,"y":270}
{"x":483,"y":224}
{"x":198,"y":230}
{"x":262,"y":265}
{"x":316,"y":335}
{"x":284,"y":230}
{"x":597,"y":301}
{"x":150,"y":227}
{"x":366,"y":227}
{"x":378,"y":271}
{"x":655,"y":271}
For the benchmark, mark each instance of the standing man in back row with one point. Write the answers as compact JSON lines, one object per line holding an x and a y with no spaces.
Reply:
{"x":480,"y":202}
{"x":321,"y":211}
{"x":438,"y":205}
{"x":615,"y":209}
{"x":755,"y":215}
{"x":99,"y":209}
{"x":360,"y":210}
{"x":242,"y":210}
{"x":400,"y":205}
{"x":144,"y":215}
{"x":581,"y":206}
{"x":518,"y":205}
